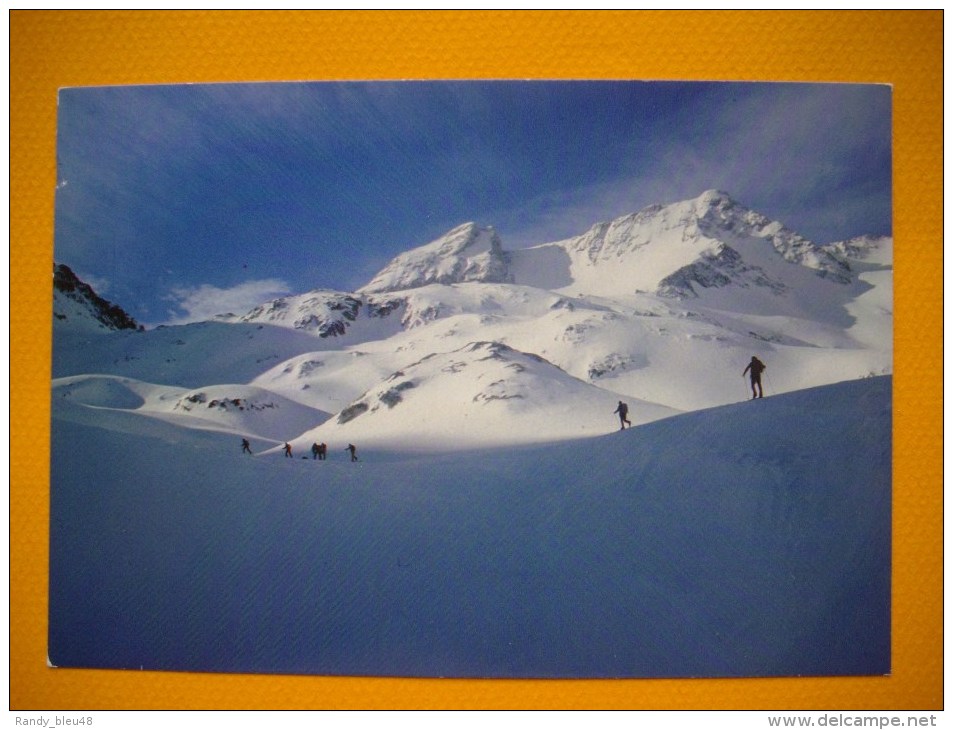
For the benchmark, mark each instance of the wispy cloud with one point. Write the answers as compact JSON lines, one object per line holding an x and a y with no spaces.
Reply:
{"x":196,"y":304}
{"x":812,"y":156}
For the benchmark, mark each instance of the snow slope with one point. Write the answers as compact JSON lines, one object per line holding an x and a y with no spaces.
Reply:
{"x":747,"y":540}
{"x":484,"y":394}
{"x":233,"y":409}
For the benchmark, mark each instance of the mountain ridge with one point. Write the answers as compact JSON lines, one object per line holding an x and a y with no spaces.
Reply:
{"x":75,"y":301}
{"x":660,"y":307}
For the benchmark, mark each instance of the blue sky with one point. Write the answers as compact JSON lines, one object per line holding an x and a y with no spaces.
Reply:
{"x":178,"y":202}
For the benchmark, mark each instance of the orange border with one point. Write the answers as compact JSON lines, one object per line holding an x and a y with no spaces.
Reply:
{"x":51,"y":49}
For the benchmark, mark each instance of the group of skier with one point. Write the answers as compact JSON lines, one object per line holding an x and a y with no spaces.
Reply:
{"x":319,"y":452}
{"x":755,"y":368}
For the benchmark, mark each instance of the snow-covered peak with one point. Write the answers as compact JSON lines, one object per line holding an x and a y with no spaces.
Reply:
{"x":721,"y":217}
{"x":714,"y":198}
{"x":679,"y":250}
{"x":467,"y":253}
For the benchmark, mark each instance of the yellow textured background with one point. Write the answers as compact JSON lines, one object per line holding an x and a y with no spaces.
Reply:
{"x":52,"y":49}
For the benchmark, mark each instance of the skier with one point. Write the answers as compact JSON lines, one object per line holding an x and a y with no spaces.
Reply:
{"x":315,"y":450}
{"x":288,"y":451}
{"x":623,"y":410}
{"x":322,"y":451}
{"x":246,"y":447}
{"x":353,"y":449}
{"x":756,"y":367}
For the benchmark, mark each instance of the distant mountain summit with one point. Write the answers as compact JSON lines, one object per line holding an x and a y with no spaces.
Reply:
{"x":467,"y":253}
{"x":679,"y":251}
{"x":74,"y":301}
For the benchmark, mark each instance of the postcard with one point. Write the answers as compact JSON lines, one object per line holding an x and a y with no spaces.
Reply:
{"x":510,"y":379}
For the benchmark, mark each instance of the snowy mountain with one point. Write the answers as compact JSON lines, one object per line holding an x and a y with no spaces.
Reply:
{"x":77,"y":306}
{"x":662,"y":309}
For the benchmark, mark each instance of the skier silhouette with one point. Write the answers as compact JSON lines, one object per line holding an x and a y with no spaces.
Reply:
{"x":756,"y":367}
{"x":623,"y":410}
{"x":315,"y":450}
{"x":353,"y":449}
{"x":246,"y":447}
{"x":288,"y":451}
{"x":322,"y":451}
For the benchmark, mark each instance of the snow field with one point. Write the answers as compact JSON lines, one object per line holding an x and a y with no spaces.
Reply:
{"x":751,"y":539}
